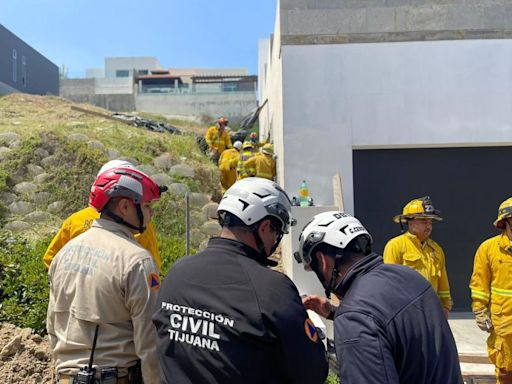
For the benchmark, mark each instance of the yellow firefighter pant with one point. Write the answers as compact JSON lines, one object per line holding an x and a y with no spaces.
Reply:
{"x":500,"y":354}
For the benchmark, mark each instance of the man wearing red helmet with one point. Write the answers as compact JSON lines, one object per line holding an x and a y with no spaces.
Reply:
{"x":104,"y":281}
{"x":80,"y":221}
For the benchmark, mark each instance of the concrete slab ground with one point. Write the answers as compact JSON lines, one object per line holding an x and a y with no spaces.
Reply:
{"x":470,"y":341}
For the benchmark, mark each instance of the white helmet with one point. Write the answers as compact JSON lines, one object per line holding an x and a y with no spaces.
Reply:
{"x":334,"y":228}
{"x":114,"y":164}
{"x":253,"y":198}
{"x":238,"y":145}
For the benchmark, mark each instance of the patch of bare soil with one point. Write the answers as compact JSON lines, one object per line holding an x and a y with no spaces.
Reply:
{"x":25,"y":357}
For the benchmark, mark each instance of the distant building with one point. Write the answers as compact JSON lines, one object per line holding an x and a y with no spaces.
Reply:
{"x":23,"y":69}
{"x":141,"y":84}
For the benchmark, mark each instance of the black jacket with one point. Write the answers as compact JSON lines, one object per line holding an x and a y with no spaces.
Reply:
{"x":391,"y":328}
{"x":225,"y":317}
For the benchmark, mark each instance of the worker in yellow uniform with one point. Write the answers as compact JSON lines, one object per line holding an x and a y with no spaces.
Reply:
{"x":417,"y":250}
{"x":263,"y":164}
{"x":218,"y":139}
{"x":248,"y":151}
{"x":227,"y":165}
{"x":81,"y":221}
{"x":491,"y":293}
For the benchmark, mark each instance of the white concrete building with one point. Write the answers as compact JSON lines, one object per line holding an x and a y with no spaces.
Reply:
{"x":403,"y":99}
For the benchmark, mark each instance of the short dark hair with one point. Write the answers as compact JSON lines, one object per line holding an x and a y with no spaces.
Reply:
{"x":231,"y":221}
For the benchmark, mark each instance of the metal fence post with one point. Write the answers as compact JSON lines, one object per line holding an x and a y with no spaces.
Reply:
{"x":187,"y":223}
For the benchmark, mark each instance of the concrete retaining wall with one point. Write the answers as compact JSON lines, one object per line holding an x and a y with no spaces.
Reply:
{"x":345,"y":21}
{"x":233,"y":104}
{"x":115,"y":103}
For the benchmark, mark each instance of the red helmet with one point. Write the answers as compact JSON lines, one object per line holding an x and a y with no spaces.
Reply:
{"x":123,"y":182}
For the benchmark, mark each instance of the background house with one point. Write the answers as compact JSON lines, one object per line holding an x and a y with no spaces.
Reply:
{"x":23,"y":69}
{"x":402,"y":98}
{"x":141,"y":84}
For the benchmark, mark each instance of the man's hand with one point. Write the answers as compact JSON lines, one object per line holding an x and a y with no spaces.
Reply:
{"x":483,"y":320}
{"x":320,"y":305}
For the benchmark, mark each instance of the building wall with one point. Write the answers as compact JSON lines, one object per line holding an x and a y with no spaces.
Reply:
{"x":109,"y":86}
{"x":345,"y":21}
{"x":389,"y":95}
{"x":235,"y":104}
{"x":112,"y":64}
{"x":34,"y":73}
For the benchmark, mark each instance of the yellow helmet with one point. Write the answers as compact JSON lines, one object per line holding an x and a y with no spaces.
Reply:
{"x":247,"y":145}
{"x":504,"y":212}
{"x":268,"y":149}
{"x":421,"y":207}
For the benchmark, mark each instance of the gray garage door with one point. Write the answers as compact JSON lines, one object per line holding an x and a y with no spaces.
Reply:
{"x":466,"y":184}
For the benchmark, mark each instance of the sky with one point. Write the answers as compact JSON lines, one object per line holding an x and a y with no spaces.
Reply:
{"x":79,"y":34}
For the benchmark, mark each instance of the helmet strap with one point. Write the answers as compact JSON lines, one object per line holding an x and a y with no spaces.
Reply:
{"x":140,"y":215}
{"x":332,"y":282}
{"x":259,"y":243}
{"x":120,"y":220}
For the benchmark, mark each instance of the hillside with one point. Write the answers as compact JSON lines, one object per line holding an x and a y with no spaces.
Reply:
{"x":49,"y":156}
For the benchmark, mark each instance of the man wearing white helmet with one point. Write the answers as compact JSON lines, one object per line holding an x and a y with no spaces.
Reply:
{"x":82,"y":220}
{"x":224,"y":316}
{"x":390,"y":326}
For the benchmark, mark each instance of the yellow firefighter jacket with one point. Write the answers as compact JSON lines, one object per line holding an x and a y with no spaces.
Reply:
{"x":81,"y":221}
{"x":491,"y":282}
{"x":427,"y":259}
{"x":227,"y":165}
{"x":216,"y":140}
{"x":245,"y":155}
{"x":261,"y":165}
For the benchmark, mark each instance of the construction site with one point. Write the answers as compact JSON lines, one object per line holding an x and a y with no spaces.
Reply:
{"x":366,"y":104}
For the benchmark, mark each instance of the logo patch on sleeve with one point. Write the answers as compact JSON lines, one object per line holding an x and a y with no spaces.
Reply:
{"x":310,"y":329}
{"x":154,"y":281}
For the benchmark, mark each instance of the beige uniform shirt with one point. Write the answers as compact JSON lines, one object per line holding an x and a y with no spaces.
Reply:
{"x":103,"y":277}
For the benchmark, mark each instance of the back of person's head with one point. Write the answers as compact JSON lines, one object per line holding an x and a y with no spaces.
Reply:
{"x":237,"y":145}
{"x":268,"y":149}
{"x":122,"y":182}
{"x":117,"y":163}
{"x":253,"y":199}
{"x":338,"y":235}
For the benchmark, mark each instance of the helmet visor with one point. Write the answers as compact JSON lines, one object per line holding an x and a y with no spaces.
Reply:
{"x":306,"y":245}
{"x":278,"y":210}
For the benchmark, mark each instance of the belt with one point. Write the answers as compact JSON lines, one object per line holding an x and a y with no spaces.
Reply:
{"x":68,"y":379}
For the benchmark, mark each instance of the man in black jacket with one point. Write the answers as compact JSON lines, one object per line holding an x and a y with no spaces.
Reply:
{"x":390,"y":327}
{"x":224,"y":316}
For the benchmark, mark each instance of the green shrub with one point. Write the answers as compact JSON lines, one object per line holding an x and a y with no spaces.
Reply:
{"x":23,"y":282}
{"x":332,"y":379}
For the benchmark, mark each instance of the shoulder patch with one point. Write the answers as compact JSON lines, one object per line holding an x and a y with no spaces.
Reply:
{"x":310,"y":329}
{"x":154,"y":281}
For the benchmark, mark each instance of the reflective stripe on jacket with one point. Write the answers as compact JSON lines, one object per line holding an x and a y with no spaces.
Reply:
{"x":427,"y":259}
{"x":261,"y":165}
{"x":245,"y":155}
{"x":81,"y":221}
{"x":491,"y":282}
{"x":216,"y":140}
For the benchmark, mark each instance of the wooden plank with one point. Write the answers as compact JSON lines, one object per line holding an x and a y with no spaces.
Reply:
{"x":337,"y":192}
{"x":474,"y":358}
{"x":99,"y":114}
